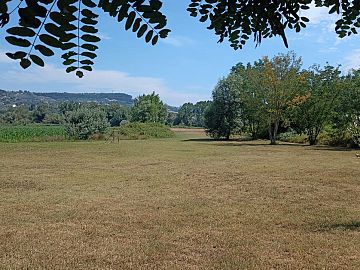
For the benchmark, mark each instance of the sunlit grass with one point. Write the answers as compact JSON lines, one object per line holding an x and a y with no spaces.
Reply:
{"x":178,"y":203}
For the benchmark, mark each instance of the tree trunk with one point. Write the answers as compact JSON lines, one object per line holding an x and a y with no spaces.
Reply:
{"x":228,"y":134}
{"x":312,"y":138}
{"x":273,"y":128}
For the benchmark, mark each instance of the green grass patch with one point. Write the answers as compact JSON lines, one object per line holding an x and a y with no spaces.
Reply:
{"x":31,"y":133}
{"x":141,"y":131}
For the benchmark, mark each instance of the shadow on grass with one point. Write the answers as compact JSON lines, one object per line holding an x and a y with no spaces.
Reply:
{"x":242,"y":143}
{"x":332,"y":148}
{"x":245,"y":143}
{"x":345,"y":226}
{"x":201,"y":140}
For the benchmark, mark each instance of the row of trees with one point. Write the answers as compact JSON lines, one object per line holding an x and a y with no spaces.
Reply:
{"x":146,"y":108}
{"x":277,"y":94}
{"x":82,"y":120}
{"x":46,"y":113}
{"x":189,"y":115}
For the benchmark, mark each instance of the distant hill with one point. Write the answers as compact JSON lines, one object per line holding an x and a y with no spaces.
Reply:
{"x":10,"y":98}
{"x":102,"y":98}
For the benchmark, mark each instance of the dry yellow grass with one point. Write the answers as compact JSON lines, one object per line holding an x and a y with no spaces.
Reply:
{"x":178,"y":204}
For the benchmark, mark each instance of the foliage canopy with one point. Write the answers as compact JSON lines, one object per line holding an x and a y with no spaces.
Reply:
{"x":70,"y":25}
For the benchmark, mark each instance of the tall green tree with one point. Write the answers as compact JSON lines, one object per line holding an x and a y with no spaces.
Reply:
{"x":312,"y":111}
{"x":199,"y":113}
{"x":186,"y":114}
{"x":84,"y":122}
{"x":223,"y":116}
{"x":253,"y":107}
{"x":347,"y":112}
{"x":279,"y":82}
{"x":148,"y":109}
{"x":40,"y":112}
{"x":117,"y":113}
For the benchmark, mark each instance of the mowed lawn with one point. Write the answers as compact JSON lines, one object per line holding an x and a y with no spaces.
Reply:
{"x":178,"y":203}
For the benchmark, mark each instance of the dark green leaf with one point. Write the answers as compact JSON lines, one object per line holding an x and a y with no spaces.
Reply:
{"x":87,"y":62}
{"x":155,"y":40}
{"x":20,"y":42}
{"x":90,"y":38}
{"x":88,"y":68}
{"x":89,"y":3}
{"x":71,"y":69}
{"x":89,"y":29}
{"x":25,"y":63}
{"x":89,"y":54}
{"x":17,"y":55}
{"x":50,"y":40}
{"x":89,"y":47}
{"x":149,"y":35}
{"x":37,"y":60}
{"x":80,"y":74}
{"x":130,"y":20}
{"x":44,"y":50}
{"x":21,"y":31}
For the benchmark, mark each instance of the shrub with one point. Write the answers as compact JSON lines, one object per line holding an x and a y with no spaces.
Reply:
{"x":138,"y":131}
{"x":293,"y":137}
{"x":354,"y":130}
{"x":85,"y":122}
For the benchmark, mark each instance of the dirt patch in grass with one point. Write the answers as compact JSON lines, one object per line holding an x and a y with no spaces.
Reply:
{"x":177,"y":204}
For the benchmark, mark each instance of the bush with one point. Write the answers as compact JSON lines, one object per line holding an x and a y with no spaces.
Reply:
{"x":85,"y":122}
{"x":343,"y":139}
{"x":139,"y":131}
{"x":293,"y":137}
{"x":329,"y":137}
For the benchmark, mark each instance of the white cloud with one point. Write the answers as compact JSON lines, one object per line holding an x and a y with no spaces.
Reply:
{"x":4,"y":59}
{"x":51,"y":78}
{"x":352,"y":61}
{"x":104,"y":36}
{"x":318,"y":15}
{"x":178,"y":41}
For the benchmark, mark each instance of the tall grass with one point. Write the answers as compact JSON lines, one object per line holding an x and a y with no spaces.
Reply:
{"x":31,"y":133}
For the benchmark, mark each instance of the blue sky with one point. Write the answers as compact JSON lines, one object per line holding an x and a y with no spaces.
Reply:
{"x":184,"y":67}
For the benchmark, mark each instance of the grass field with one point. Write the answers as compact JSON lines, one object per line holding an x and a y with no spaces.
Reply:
{"x":179,"y":203}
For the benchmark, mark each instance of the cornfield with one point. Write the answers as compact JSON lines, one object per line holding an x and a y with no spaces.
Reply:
{"x":31,"y":133}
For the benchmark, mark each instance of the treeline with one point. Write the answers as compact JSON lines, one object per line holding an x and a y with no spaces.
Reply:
{"x":189,"y":115}
{"x":83,"y":120}
{"x":273,"y":96}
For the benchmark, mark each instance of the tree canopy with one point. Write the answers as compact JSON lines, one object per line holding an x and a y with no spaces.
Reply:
{"x":70,"y":25}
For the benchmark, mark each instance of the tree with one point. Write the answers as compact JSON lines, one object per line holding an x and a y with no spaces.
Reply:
{"x":199,"y":113}
{"x":148,"y":109}
{"x":116,"y":113}
{"x":190,"y":114}
{"x":253,"y":107}
{"x":346,"y":117}
{"x":41,"y":111}
{"x":312,"y":111}
{"x":19,"y":115}
{"x":186,"y":114}
{"x":69,"y":26}
{"x":84,"y":122}
{"x":223,"y":116}
{"x":279,"y":82}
